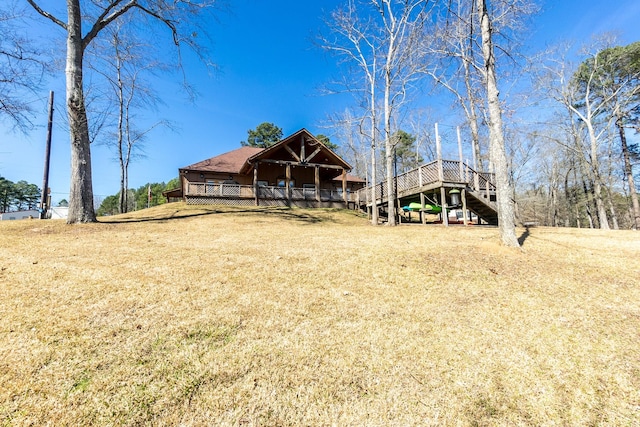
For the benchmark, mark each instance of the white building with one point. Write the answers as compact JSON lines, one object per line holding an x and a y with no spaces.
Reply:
{"x":59,"y":212}
{"x":31,"y":214}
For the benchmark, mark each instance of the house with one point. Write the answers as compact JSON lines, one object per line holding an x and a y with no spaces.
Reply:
{"x":58,"y":212}
{"x":30,"y":214}
{"x":297,"y":171}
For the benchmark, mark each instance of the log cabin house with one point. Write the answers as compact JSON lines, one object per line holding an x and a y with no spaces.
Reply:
{"x":298,"y":171}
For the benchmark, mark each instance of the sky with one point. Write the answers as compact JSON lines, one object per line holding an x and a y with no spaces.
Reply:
{"x":269,"y":70}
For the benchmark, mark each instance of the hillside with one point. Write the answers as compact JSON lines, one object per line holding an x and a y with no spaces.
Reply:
{"x":209,"y":315}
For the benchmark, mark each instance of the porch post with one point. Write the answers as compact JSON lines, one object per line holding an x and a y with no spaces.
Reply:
{"x":464,"y":206}
{"x":288,"y":184}
{"x":344,"y":186}
{"x":256,"y":189}
{"x":317,"y":182}
{"x":443,"y":204}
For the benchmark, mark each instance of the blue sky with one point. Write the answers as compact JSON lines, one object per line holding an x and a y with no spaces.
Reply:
{"x":269,"y":71}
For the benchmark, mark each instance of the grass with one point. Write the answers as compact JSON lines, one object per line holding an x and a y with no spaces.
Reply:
{"x":182,"y":315}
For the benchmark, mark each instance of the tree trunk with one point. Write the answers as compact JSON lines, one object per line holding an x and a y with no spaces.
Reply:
{"x":389,"y":154}
{"x":628,"y":173}
{"x":374,"y":203}
{"x":597,"y":181}
{"x":473,"y":119}
{"x":505,"y":204}
{"x":81,"y":191}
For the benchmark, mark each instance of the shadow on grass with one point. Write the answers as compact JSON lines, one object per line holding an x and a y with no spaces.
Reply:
{"x":284,"y":213}
{"x":524,"y":235}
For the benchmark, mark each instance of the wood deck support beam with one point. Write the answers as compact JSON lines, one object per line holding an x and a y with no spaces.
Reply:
{"x":344,"y":185}
{"x":256,"y":189}
{"x":295,"y":156}
{"x":464,"y":206}
{"x":443,"y":203}
{"x":317,"y":182}
{"x":287,"y":184}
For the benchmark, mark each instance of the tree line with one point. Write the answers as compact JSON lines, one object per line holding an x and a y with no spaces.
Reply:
{"x":18,"y":196}
{"x":143,"y":197}
{"x":561,"y":138}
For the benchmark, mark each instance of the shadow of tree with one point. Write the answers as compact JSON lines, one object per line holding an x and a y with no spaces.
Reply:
{"x":281,"y":212}
{"x":524,"y":235}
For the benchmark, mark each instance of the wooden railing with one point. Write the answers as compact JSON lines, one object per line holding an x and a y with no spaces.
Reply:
{"x":264,"y":192}
{"x":449,"y":171}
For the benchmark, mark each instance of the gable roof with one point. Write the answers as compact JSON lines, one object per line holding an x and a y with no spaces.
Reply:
{"x":230,"y":162}
{"x":241,"y":160}
{"x":302,"y":136}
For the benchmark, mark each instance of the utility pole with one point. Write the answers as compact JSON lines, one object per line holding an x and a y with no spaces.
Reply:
{"x":44,"y":204}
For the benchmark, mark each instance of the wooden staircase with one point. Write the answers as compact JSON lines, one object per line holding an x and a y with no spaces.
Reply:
{"x":430,"y":178}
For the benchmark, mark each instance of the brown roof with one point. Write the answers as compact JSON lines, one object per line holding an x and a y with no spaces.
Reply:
{"x":230,"y":162}
{"x":277,"y":146}
{"x":350,"y":178}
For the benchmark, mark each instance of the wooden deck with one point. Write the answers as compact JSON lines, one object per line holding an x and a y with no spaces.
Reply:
{"x":428,"y":179}
{"x":245,"y":195}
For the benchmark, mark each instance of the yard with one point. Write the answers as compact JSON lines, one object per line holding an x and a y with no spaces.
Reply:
{"x":183,"y":315}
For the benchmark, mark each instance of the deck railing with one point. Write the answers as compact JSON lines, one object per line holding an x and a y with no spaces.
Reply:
{"x":235,"y":191}
{"x":450,"y":171}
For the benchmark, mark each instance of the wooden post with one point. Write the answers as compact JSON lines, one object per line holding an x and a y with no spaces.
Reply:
{"x":443,"y":203}
{"x":423,"y":217}
{"x":344,"y":186}
{"x":439,"y":155}
{"x":463,"y":194}
{"x":256,"y":188}
{"x":317,"y":183}
{"x":487,"y":191}
{"x":287,"y":183}
{"x":302,"y":149}
{"x":461,"y":168}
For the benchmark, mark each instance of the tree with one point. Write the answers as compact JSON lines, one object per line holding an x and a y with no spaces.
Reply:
{"x":458,"y":63}
{"x":176,"y":16}
{"x":352,"y":40}
{"x":20,"y":195}
{"x":21,"y":69}
{"x":402,"y":31}
{"x":327,"y":142}
{"x":504,"y":192}
{"x":263,"y":136}
{"x":406,"y":154}
{"x":612,"y":76}
{"x":382,"y":40}
{"x":109,"y":206}
{"x":6,"y":194}
{"x":123,"y":64}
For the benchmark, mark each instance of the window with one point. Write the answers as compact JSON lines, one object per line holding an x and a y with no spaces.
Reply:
{"x":282,"y":182}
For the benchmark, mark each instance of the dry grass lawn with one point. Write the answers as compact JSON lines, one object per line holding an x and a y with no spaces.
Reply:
{"x":272,"y":317}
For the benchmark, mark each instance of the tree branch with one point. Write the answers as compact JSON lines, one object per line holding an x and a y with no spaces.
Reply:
{"x":47,"y":14}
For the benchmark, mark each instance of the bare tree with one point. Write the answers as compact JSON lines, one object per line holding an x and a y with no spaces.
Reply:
{"x":504,"y":192}
{"x":177,"y":16}
{"x":123,"y":63}
{"x":381,"y":38}
{"x":21,"y":69}
{"x":459,"y":63}
{"x":352,"y":39}
{"x":402,"y":27}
